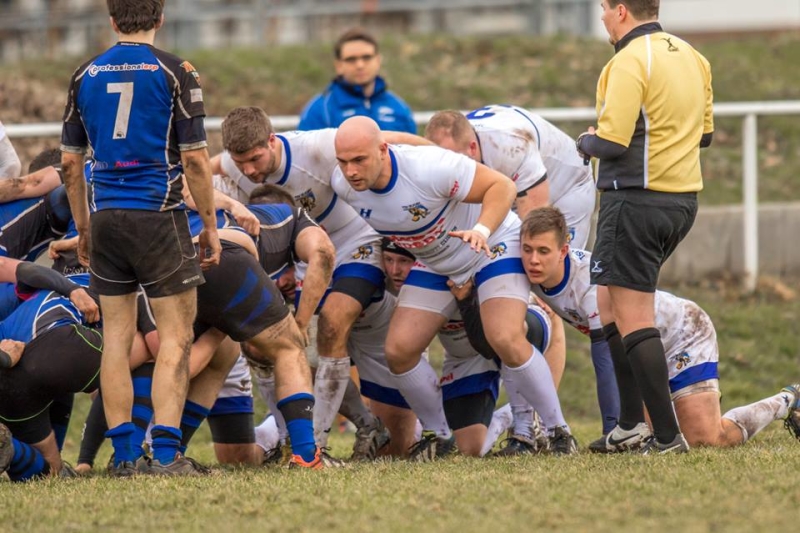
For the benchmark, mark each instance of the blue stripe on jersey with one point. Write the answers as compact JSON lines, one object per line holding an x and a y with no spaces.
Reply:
{"x":126,"y":106}
{"x":271,"y":214}
{"x":538,"y":135}
{"x":8,"y":300}
{"x":510,"y":265}
{"x":555,"y":291}
{"x":417,"y":231}
{"x":427,"y":280}
{"x":382,"y":394}
{"x":370,"y":273}
{"x":392,"y":180}
{"x":11,"y":212}
{"x":486,"y":381}
{"x":234,"y":405}
{"x":328,"y":209}
{"x":196,"y":223}
{"x":694,"y":374}
{"x":44,"y":311}
{"x":288,"y":168}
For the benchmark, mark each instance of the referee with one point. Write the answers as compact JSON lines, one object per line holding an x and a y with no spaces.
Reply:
{"x":654,"y":107}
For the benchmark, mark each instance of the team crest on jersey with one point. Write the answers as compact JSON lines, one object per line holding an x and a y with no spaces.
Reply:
{"x":498,"y":250}
{"x":570,"y":235}
{"x":417,"y":211}
{"x":307,"y":200}
{"x":363,"y":252}
{"x":683,"y":360}
{"x":189,"y":68}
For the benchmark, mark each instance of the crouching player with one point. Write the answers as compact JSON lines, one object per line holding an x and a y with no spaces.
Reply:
{"x":560,"y":276}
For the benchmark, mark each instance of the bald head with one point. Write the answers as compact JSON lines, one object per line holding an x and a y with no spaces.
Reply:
{"x":360,"y":152}
{"x":451,"y":130}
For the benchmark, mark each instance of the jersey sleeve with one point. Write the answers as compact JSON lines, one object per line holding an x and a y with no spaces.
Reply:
{"x":622,"y":100}
{"x":190,"y":109}
{"x":708,"y":119}
{"x":73,"y":132}
{"x":589,"y":309}
{"x":520,"y":161}
{"x":448,"y":173}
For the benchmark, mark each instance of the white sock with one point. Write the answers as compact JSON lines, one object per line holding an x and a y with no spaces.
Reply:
{"x":267,"y":435}
{"x":420,"y":388}
{"x":535,"y":383}
{"x":502,"y":419}
{"x":266,"y":387}
{"x":417,"y":431}
{"x":754,"y":417}
{"x":521,"y":410}
{"x":333,"y":375}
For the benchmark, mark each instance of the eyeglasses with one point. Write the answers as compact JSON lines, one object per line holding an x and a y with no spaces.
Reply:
{"x":352,"y":60}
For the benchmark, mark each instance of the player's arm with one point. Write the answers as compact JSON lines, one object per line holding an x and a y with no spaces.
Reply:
{"x":33,"y":185}
{"x":496,"y":193}
{"x":32,"y":277}
{"x":216,"y":165}
{"x":467,"y":300}
{"x":72,"y":168}
{"x":10,"y":165}
{"x":401,"y":137}
{"x":197,"y":170}
{"x":314,"y":247}
{"x":241,"y":214}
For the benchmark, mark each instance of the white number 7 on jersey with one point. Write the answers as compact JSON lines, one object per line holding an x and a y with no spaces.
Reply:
{"x":125,"y":91}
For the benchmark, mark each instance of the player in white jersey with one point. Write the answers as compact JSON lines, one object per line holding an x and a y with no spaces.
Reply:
{"x":302,"y":162}
{"x":454,"y":215}
{"x":10,"y":166}
{"x":532,"y":152}
{"x":561,"y":277}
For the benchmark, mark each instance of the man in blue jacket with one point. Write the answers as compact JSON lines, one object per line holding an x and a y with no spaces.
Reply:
{"x":357,"y":90}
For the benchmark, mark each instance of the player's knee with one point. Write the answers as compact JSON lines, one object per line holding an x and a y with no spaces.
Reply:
{"x":401,"y":357}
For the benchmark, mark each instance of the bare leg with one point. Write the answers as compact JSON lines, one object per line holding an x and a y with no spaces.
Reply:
{"x":119,"y":328}
{"x":401,"y":424}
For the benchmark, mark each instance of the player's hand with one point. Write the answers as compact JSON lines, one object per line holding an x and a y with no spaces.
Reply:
{"x":475,"y":239}
{"x":83,"y":248}
{"x":86,"y":305}
{"x":306,"y":338}
{"x":10,"y":352}
{"x":60,"y":246}
{"x":586,"y":157}
{"x":546,"y":308}
{"x":210,"y":248}
{"x":246,"y":219}
{"x":461,"y":292}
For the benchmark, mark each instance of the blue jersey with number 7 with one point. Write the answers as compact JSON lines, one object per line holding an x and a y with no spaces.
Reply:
{"x":136,"y":107}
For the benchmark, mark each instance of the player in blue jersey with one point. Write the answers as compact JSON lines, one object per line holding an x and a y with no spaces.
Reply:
{"x":141,"y":111}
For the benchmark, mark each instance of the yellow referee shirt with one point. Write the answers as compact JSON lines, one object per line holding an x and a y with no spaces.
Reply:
{"x":654,"y":97}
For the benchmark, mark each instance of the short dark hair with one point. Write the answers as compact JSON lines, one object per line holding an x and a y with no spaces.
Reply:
{"x":640,"y":9}
{"x":245,"y":128}
{"x":269,"y":193}
{"x":544,"y":220}
{"x":354,"y":34}
{"x":46,"y":158}
{"x":132,"y":16}
{"x":448,"y":122}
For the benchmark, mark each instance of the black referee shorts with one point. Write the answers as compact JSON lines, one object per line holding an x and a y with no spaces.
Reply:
{"x":637,"y":230}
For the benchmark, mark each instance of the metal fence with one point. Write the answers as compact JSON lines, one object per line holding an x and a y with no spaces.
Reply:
{"x":747,"y":111}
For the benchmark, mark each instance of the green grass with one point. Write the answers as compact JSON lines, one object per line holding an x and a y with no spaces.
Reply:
{"x":439,"y":72}
{"x":745,"y":489}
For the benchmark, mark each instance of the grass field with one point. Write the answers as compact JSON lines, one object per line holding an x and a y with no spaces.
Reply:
{"x":745,"y":489}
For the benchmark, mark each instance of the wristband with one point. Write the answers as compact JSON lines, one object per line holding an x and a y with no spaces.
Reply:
{"x":483,"y":230}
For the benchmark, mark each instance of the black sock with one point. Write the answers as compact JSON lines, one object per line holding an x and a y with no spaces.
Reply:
{"x":631,"y":411}
{"x":60,"y":411}
{"x":94,"y":432}
{"x":646,"y":355}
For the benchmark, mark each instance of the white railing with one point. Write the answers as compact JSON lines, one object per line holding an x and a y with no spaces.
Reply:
{"x":749,"y":111}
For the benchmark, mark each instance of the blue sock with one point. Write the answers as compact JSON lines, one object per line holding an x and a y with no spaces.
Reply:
{"x":298,"y":411}
{"x":193,"y":415}
{"x":27,"y":463}
{"x":166,"y":441}
{"x":607,"y":392}
{"x":121,"y":438}
{"x":142,"y":412}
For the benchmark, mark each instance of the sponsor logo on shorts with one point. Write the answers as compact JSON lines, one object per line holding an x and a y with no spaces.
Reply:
{"x":683,"y":360}
{"x":597,"y":269}
{"x":307,"y":200}
{"x":363,"y":252}
{"x":498,"y":250}
{"x":446,"y":379}
{"x":189,"y":280}
{"x":417,"y":211}
{"x":94,"y":70}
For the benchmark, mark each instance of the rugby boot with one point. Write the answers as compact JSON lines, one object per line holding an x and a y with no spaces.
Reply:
{"x":431,"y":447}
{"x":620,"y":440}
{"x":653,"y":447}
{"x":792,"y":422}
{"x":369,"y":441}
{"x":562,"y":442}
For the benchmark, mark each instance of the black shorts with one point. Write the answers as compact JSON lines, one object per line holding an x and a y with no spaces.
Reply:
{"x":465,"y":411}
{"x":234,"y":428}
{"x":238,"y":297}
{"x":637,"y":230}
{"x":28,"y":389}
{"x":151,"y":248}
